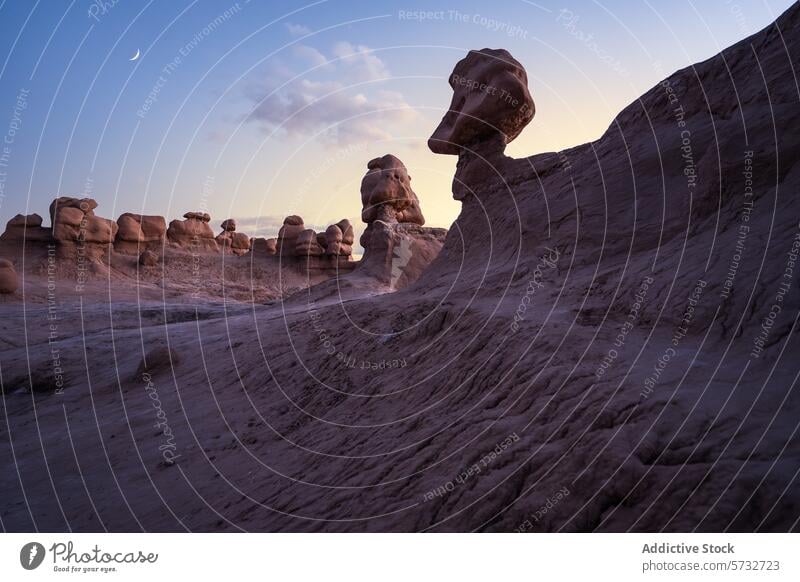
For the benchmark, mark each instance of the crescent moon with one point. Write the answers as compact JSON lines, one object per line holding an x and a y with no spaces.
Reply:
{"x":136,"y":56}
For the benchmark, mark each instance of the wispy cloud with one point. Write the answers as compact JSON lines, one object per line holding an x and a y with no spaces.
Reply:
{"x":297,"y":29}
{"x":340,"y":112}
{"x":309,"y":54}
{"x":362,"y":63}
{"x":266,"y":226}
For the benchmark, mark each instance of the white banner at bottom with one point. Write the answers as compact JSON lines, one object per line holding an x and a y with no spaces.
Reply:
{"x":400,"y":557}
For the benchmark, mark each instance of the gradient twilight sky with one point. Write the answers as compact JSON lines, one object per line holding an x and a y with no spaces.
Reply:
{"x":257,"y":110}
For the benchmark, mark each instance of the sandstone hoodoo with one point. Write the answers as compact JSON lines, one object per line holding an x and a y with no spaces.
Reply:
{"x":287,"y":235}
{"x":491,"y":102}
{"x":8,"y":277}
{"x":193,"y":234}
{"x":263,"y":247}
{"x":397,"y":248}
{"x":85,"y":205}
{"x":339,"y":239}
{"x":26,"y":227}
{"x":309,"y":251}
{"x":307,"y":245}
{"x":138,"y":232}
{"x":386,"y":193}
{"x":77,"y":231}
{"x":233,"y":242}
{"x":491,"y":105}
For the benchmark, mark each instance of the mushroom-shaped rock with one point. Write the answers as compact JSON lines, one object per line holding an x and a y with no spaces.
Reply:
{"x":229,"y":225}
{"x":307,"y":244}
{"x":148,"y":258}
{"x":26,"y":226}
{"x":193,"y":234}
{"x":386,"y":193}
{"x":490,"y":102}
{"x":8,"y":277}
{"x":138,"y":231}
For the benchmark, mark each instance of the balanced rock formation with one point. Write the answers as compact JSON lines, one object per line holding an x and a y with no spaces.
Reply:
{"x":231,"y":241}
{"x":397,"y":248}
{"x":138,"y":232}
{"x":490,"y":100}
{"x":8,"y":277}
{"x":491,"y":105}
{"x":386,"y":193}
{"x":26,"y":227}
{"x":193,"y":234}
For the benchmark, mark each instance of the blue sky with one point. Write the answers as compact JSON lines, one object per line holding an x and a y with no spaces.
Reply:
{"x":256,"y":110}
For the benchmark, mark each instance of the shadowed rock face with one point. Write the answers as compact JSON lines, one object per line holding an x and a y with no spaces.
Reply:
{"x":261,"y":246}
{"x":490,"y":102}
{"x":386,"y":193}
{"x":308,"y":245}
{"x":396,"y":254}
{"x":8,"y":277}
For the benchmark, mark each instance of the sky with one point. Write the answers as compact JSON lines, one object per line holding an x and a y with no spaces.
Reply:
{"x":258,"y":110}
